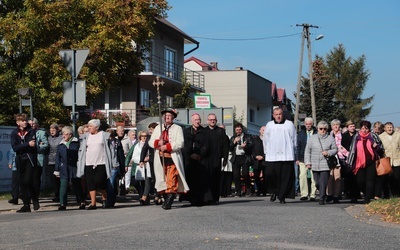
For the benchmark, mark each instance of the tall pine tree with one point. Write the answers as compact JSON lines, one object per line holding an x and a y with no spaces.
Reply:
{"x":339,"y":82}
{"x":348,"y":77}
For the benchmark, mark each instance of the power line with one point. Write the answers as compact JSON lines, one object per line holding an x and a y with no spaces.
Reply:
{"x":245,"y":39}
{"x":385,"y":114}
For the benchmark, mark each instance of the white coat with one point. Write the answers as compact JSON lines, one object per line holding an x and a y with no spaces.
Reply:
{"x":175,"y":134}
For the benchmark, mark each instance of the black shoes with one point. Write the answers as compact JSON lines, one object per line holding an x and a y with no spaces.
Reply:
{"x":168,"y":201}
{"x":336,"y":200}
{"x":322,"y":202}
{"x":13,"y":201}
{"x":329,"y":198}
{"x":104,"y":204}
{"x":82,"y":206}
{"x":273,"y":198}
{"x":36,"y":205}
{"x":304,"y":198}
{"x":91,"y":207}
{"x":158,"y":201}
{"x":24,"y":209}
{"x":312,"y":199}
{"x":282,"y":201}
{"x":62,"y":208}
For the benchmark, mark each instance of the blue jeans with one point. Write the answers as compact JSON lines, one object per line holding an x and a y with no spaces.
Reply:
{"x":112,"y":187}
{"x":296,"y":179}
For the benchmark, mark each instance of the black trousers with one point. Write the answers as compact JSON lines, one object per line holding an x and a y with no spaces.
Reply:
{"x":15,"y":184}
{"x":281,"y":179}
{"x":26,"y":176}
{"x":261,"y":188}
{"x":226,"y":184}
{"x":55,"y":181}
{"x":239,"y":168}
{"x":37,"y":179}
{"x":394,"y":181}
{"x":366,"y":178}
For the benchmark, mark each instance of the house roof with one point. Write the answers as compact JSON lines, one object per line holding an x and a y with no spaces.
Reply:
{"x":281,"y":94}
{"x":200,"y":63}
{"x":164,"y":23}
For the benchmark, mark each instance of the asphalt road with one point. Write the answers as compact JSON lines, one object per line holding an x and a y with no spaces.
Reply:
{"x":236,"y":223}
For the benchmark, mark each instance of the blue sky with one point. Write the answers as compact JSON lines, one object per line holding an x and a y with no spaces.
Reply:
{"x":272,"y":48}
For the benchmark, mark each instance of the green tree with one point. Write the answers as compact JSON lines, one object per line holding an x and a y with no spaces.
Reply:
{"x":348,"y":77}
{"x":184,"y":100}
{"x":32,"y":32}
{"x":339,"y":82}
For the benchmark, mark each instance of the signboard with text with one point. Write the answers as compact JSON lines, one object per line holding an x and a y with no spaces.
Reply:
{"x":202,"y":101}
{"x":5,"y":145}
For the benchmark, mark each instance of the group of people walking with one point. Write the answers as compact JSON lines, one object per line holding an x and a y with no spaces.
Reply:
{"x":356,"y":151}
{"x":168,"y":160}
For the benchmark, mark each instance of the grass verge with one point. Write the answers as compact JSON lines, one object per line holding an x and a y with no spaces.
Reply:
{"x":388,"y":208}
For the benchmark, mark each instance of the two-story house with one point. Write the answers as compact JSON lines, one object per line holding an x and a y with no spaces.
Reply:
{"x":248,"y":93}
{"x":164,"y":59}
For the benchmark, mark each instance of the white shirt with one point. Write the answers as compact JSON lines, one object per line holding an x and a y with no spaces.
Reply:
{"x":280,"y":141}
{"x":95,"y":150}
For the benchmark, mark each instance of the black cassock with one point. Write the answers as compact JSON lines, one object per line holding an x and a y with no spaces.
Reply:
{"x":197,"y":171}
{"x":219,"y":149}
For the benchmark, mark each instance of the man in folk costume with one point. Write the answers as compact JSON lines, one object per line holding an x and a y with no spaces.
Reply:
{"x":168,"y":166}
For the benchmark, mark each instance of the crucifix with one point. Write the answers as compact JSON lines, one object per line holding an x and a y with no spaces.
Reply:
{"x":157,"y":83}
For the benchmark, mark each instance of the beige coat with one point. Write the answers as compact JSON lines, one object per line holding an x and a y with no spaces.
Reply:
{"x":176,"y":140}
{"x":392,"y":147}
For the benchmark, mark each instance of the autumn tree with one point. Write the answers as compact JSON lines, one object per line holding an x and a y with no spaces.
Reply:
{"x":32,"y":32}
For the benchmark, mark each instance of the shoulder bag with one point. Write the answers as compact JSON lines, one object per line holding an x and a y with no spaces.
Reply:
{"x":383,"y":166}
{"x":331,"y":160}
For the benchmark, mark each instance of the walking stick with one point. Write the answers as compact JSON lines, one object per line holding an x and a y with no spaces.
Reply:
{"x":159,"y":83}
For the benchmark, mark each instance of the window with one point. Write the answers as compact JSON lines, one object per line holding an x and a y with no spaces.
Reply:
{"x":170,"y":63}
{"x":251,"y":115}
{"x":146,"y":56}
{"x":145,"y":97}
{"x":114,"y":98}
{"x":169,"y":101}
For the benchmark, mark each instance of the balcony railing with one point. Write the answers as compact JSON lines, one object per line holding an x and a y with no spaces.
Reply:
{"x":162,"y":67}
{"x":135,"y":116}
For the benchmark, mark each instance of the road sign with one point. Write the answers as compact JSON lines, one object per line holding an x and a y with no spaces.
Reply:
{"x":77,"y":55}
{"x":80,"y":93}
{"x":202,"y":101}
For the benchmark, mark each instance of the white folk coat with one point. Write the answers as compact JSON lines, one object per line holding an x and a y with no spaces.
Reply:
{"x":175,"y":134}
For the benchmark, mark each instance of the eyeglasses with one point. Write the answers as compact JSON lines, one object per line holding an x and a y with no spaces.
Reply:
{"x":322,"y":128}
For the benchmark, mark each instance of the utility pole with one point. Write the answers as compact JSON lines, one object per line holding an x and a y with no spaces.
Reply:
{"x":305,"y":35}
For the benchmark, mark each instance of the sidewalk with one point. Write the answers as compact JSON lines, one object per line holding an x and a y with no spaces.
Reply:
{"x":46,"y":203}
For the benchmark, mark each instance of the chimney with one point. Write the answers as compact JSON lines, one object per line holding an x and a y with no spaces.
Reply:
{"x":239,"y":68}
{"x":214,"y":65}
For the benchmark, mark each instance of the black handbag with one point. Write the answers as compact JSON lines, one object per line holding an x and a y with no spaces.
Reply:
{"x":331,"y":160}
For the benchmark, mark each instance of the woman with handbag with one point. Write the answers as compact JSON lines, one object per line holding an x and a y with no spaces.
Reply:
{"x":319,"y":147}
{"x":364,"y":151}
{"x":391,"y":142}
{"x":140,"y":171}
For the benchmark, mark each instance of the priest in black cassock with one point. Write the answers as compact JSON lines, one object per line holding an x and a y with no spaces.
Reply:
{"x":219,"y":150}
{"x":195,"y":154}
